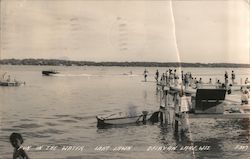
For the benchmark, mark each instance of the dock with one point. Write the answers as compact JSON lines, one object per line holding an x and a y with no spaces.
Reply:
{"x":211,"y":103}
{"x":222,"y":116}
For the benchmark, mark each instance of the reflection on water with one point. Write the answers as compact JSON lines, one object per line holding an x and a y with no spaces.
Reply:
{"x":61,"y":111}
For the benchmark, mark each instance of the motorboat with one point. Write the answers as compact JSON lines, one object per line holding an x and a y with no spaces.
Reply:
{"x":49,"y":72}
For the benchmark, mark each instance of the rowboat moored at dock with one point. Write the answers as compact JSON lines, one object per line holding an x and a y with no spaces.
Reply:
{"x":121,"y":119}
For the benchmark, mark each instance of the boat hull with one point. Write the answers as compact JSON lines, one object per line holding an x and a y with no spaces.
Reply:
{"x":115,"y":121}
{"x":10,"y":84}
{"x":49,"y":73}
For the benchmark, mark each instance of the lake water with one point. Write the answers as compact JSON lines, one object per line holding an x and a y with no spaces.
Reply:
{"x":61,"y":111}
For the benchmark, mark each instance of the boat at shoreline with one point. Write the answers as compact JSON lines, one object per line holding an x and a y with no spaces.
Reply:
{"x":121,"y":119}
{"x":49,"y":72}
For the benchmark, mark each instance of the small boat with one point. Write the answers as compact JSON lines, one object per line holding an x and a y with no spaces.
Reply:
{"x":49,"y":72}
{"x":9,"y":83}
{"x":121,"y":119}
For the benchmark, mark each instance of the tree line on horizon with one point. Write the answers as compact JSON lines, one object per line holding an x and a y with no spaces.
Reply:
{"x":57,"y":62}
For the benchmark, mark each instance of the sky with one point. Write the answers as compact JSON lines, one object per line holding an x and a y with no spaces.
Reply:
{"x":206,"y":31}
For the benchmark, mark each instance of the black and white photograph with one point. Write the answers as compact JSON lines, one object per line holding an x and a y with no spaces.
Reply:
{"x":124,"y":79}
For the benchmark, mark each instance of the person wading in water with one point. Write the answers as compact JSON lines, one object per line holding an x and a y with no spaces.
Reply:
{"x":16,"y":141}
{"x":145,"y":75}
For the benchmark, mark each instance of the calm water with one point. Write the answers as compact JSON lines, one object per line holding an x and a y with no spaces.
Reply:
{"x":60,"y":111}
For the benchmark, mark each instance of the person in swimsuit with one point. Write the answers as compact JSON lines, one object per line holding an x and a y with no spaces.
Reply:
{"x":233,"y":77}
{"x":226,"y":77}
{"x":157,"y":75}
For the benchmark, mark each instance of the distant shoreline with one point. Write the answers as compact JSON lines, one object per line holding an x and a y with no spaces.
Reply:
{"x":56,"y":62}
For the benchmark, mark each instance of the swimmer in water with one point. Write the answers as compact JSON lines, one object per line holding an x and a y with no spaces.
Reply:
{"x":16,"y":141}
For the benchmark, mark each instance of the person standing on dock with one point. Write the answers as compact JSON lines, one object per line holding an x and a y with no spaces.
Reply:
{"x":167,"y":76}
{"x":244,"y":97}
{"x":218,"y":84}
{"x":210,"y":81}
{"x":175,"y":78}
{"x":195,"y":80}
{"x":200,"y":81}
{"x":226,"y":78}
{"x":8,"y":79}
{"x":186,"y":81}
{"x":233,"y":77}
{"x":157,"y":75}
{"x":171,"y":77}
{"x":145,"y":75}
{"x":247,"y":81}
{"x":164,"y":78}
{"x":198,"y":85}
{"x":182,"y":77}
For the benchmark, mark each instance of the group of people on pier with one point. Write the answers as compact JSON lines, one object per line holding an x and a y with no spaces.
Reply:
{"x":172,"y":77}
{"x":232,"y":78}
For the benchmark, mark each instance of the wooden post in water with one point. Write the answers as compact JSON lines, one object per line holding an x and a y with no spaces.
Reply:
{"x":185,"y":122}
{"x":176,"y":112}
{"x":185,"y":106}
{"x":161,"y":108}
{"x":160,"y":97}
{"x":157,"y":87}
{"x":167,"y":107}
{"x":165,"y":122}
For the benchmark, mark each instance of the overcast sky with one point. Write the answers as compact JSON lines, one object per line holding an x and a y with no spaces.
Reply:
{"x":126,"y":30}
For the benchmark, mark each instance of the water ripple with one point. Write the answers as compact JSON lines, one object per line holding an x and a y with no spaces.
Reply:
{"x":51,"y":131}
{"x":28,"y":126}
{"x":67,"y":121}
{"x":51,"y":124}
{"x":61,"y":116}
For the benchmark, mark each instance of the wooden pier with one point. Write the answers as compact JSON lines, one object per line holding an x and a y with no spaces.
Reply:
{"x":213,"y":106}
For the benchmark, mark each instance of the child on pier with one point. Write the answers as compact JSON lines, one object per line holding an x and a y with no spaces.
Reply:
{"x":210,"y":81}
